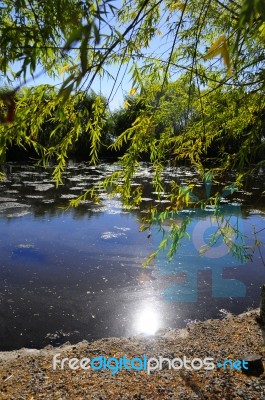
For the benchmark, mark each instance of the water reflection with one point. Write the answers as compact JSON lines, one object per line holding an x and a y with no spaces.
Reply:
{"x":147,"y":321}
{"x":228,"y":254}
{"x":206,"y":228}
{"x":77,"y":274}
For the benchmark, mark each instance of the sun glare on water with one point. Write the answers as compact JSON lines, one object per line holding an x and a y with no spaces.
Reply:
{"x":147,"y":322}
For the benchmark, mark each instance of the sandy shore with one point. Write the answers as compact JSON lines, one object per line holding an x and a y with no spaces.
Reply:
{"x":28,"y":374}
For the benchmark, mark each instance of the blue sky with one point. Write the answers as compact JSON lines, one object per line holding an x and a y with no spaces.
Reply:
{"x":103,"y":86}
{"x":160,"y":46}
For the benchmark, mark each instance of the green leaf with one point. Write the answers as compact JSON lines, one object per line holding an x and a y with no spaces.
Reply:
{"x":74,"y":36}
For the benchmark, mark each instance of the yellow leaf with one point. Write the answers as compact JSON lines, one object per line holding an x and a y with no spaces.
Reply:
{"x":132,"y":91}
{"x":262,"y":31}
{"x":126,"y":105}
{"x":216,"y":48}
{"x":178,"y":6}
{"x":220,"y":48}
{"x":64,"y":68}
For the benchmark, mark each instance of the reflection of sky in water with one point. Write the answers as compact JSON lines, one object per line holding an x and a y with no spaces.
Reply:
{"x":77,"y":274}
{"x":227,"y":266}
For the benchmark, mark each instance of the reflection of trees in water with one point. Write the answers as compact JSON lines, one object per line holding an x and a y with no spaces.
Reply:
{"x":29,"y":180}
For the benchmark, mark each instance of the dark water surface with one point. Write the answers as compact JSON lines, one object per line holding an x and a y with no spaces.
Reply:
{"x":77,"y":274}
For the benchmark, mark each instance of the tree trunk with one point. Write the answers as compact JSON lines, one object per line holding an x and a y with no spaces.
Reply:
{"x":262,"y":305}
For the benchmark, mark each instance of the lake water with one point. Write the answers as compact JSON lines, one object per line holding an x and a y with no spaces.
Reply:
{"x":77,"y":274}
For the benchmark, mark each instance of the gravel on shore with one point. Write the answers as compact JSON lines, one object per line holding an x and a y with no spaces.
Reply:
{"x":28,"y":374}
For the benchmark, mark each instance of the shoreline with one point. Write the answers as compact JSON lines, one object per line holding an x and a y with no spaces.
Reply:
{"x":163,"y":332}
{"x":28,"y":373}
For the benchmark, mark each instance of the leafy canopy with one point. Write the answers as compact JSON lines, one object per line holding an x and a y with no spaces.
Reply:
{"x":212,"y":49}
